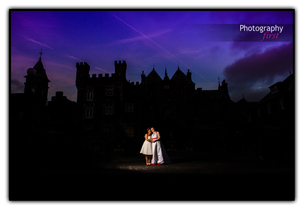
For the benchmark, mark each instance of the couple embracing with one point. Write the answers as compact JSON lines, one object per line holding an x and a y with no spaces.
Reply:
{"x":153,"y":149}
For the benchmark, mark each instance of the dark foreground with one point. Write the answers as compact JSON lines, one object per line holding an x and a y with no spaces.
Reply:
{"x":125,"y":177}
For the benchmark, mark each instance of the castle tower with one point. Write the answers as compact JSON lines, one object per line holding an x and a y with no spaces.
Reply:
{"x":166,"y":74}
{"x":82,"y":72}
{"x":143,"y":77}
{"x":36,"y":84}
{"x":224,"y":88}
{"x":120,"y":69}
{"x":82,"y":77}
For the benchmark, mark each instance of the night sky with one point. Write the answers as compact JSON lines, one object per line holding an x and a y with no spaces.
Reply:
{"x":209,"y":43}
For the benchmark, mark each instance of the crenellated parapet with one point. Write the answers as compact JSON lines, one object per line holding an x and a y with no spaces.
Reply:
{"x":101,"y":76}
{"x":82,"y":65}
{"x":82,"y":71}
{"x":132,"y":83}
{"x":83,"y":74}
{"x":120,"y":69}
{"x":120,"y":63}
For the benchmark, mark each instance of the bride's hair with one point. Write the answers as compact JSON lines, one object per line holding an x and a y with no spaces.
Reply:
{"x":149,"y":129}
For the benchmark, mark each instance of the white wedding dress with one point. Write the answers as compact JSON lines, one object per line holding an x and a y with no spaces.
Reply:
{"x":160,"y":155}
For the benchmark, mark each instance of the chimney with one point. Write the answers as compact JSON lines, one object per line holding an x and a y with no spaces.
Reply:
{"x":143,"y":77}
{"x":189,"y":74}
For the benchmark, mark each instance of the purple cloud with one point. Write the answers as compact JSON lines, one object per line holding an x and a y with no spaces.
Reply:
{"x":259,"y":70}
{"x":196,"y":40}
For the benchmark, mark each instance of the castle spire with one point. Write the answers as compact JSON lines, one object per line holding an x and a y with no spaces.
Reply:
{"x":166,"y":78}
{"x":40,"y":54}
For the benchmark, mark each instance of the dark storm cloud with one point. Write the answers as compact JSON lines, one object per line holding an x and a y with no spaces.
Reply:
{"x":197,"y":40}
{"x":259,"y":69}
{"x":240,"y":43}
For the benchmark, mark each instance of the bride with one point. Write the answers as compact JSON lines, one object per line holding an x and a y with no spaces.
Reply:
{"x":146,"y":148}
{"x":160,"y":156}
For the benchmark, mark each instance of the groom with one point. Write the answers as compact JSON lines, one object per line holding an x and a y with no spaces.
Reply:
{"x":160,"y":156}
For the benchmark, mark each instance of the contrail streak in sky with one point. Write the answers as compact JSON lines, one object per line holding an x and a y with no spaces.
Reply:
{"x":101,"y":69}
{"x":42,"y":44}
{"x":156,"y":44}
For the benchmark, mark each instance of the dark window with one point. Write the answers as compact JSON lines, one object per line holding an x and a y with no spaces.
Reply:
{"x":269,"y":108}
{"x":109,"y":109}
{"x":282,"y":103}
{"x":90,"y":96}
{"x":129,"y":108}
{"x":109,"y":91}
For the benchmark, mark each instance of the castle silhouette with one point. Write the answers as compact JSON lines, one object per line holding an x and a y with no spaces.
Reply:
{"x":112,"y":113}
{"x":113,"y":108}
{"x":59,"y":149}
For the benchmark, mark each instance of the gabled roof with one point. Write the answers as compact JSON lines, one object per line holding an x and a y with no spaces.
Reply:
{"x":180,"y":78}
{"x":275,"y":84}
{"x":243,"y":103}
{"x":153,"y":78}
{"x":286,"y":86}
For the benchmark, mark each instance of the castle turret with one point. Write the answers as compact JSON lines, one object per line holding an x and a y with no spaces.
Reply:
{"x":189,"y":74}
{"x":36,"y":83}
{"x":82,"y":73}
{"x":224,"y":88}
{"x":166,"y":78}
{"x":120,"y":69}
{"x":143,"y":77}
{"x":82,"y":78}
{"x":35,"y":95}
